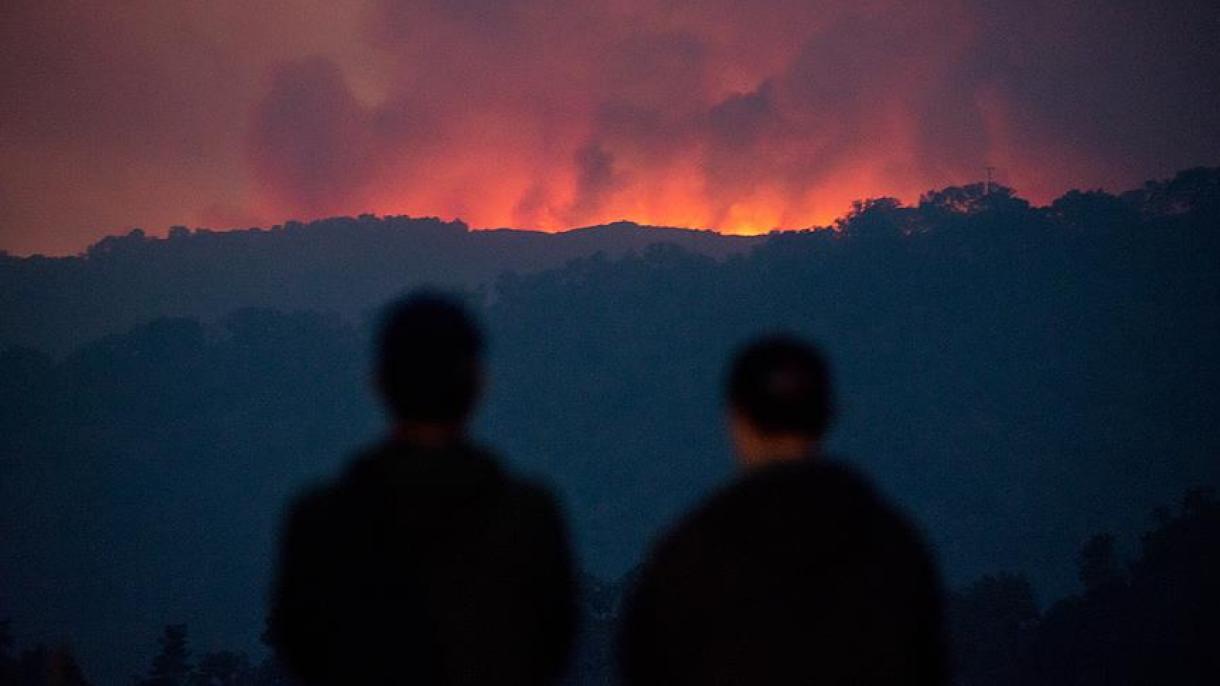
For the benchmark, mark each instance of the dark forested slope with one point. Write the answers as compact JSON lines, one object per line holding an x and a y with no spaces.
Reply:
{"x":343,"y":265}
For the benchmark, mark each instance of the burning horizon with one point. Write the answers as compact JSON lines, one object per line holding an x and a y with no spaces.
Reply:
{"x":740,"y":117}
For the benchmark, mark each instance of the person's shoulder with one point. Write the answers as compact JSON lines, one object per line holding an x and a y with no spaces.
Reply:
{"x":319,"y":499}
{"x":821,"y":473}
{"x":313,"y":501}
{"x":845,"y":503}
{"x":785,"y":497}
{"x":815,"y":485}
{"x":830,"y":489}
{"x":529,"y":516}
{"x":780,"y":486}
{"x":531,"y":497}
{"x":520,"y":495}
{"x":703,"y":533}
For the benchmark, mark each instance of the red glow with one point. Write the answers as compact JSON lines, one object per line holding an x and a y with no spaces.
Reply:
{"x":742,"y":117}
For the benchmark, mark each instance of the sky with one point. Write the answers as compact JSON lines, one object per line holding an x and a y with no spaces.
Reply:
{"x":743,"y":116}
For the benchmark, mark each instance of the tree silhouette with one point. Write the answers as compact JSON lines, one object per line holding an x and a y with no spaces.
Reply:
{"x":970,"y":199}
{"x":1156,"y":626}
{"x":8,"y":662}
{"x":1191,"y":191}
{"x":37,"y":666}
{"x":992,"y":622}
{"x":1098,"y":564}
{"x":224,"y":668}
{"x":877,"y":218}
{"x":170,"y":667}
{"x":1093,"y":210}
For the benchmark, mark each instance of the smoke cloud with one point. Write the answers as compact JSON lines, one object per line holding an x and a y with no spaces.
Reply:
{"x":739,"y":116}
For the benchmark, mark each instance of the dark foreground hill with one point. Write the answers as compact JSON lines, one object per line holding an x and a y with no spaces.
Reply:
{"x":1019,"y":378}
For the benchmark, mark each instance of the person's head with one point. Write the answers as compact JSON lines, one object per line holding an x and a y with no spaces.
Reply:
{"x":429,"y":363}
{"x":779,"y":400}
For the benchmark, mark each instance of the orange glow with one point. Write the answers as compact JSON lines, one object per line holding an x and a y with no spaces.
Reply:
{"x":493,"y":191}
{"x":739,"y":117}
{"x":674,"y":199}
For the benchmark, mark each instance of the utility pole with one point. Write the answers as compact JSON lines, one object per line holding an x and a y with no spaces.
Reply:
{"x":987,"y":190}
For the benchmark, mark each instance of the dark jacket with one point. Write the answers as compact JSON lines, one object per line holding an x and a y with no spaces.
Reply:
{"x":796,"y":573}
{"x":423,"y":567}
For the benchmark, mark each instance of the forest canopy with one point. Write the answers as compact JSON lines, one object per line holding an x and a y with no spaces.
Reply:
{"x":1019,"y":378}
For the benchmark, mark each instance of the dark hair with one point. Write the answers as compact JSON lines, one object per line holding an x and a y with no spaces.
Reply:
{"x":428,"y":358}
{"x":782,"y":385}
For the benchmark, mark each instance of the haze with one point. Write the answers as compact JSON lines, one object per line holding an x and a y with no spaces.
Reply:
{"x":738,"y":116}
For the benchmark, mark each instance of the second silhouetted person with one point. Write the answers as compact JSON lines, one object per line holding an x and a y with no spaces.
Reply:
{"x":796,"y":573}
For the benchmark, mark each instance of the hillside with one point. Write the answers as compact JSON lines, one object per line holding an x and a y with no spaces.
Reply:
{"x":344,"y":265}
{"x":1018,"y":378}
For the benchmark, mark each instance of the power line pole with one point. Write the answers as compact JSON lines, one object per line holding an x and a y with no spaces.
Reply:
{"x":987,"y":190}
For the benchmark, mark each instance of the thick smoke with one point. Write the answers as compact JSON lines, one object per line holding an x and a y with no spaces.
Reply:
{"x":743,"y":116}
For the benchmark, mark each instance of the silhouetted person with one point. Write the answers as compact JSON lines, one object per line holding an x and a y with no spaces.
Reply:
{"x":796,"y":573}
{"x":424,"y":562}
